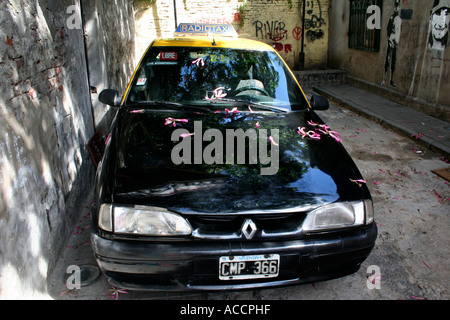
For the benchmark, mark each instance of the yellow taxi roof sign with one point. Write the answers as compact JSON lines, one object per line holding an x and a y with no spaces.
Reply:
{"x":206,"y":29}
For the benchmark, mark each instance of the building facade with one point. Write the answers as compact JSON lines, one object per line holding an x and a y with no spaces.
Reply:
{"x":276,"y":22}
{"x":397,"y":48}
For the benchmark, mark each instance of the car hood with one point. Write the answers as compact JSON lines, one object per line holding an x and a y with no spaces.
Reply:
{"x":309,"y":173}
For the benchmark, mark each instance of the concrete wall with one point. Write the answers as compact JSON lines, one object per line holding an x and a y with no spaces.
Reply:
{"x":110,"y":45}
{"x":421,"y":76}
{"x":46,"y":121}
{"x":276,"y":22}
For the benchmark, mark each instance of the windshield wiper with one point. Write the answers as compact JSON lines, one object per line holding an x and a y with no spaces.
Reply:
{"x":255,"y":105}
{"x":178,"y":105}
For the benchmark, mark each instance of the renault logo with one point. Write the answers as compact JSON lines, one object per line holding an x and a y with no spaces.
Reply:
{"x":249,"y":229}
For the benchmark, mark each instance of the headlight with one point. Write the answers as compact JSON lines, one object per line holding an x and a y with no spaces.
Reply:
{"x":339,"y":215}
{"x":105,"y":217}
{"x":142,"y":220}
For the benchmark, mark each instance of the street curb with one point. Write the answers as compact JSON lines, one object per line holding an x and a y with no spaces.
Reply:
{"x":385,"y":122}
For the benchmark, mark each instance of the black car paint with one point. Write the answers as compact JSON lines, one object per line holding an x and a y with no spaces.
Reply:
{"x":325,"y":162}
{"x":188,"y":263}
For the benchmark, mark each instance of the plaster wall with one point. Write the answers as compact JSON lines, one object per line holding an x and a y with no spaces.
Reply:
{"x":419,"y":74}
{"x":46,"y":121}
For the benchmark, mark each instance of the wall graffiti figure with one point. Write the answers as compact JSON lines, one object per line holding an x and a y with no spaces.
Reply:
{"x":279,"y":47}
{"x":273,"y":30}
{"x":393,"y":36}
{"x":297,"y":33}
{"x":278,"y":35}
{"x":439,"y":25}
{"x":313,"y":35}
{"x":316,"y":21}
{"x":287,"y":48}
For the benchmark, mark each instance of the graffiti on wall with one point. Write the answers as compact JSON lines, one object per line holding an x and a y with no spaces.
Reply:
{"x":437,"y":39}
{"x":439,"y":25}
{"x":314,"y":21}
{"x":275,"y":31}
{"x":394,"y":29}
{"x":286,"y":32}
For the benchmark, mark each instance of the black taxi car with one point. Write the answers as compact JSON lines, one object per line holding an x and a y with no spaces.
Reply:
{"x":219,"y":175}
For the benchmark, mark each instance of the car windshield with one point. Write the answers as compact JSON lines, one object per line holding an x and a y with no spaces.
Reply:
{"x":212,"y":76}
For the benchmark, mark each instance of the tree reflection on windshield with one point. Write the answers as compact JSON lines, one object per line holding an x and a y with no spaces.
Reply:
{"x":205,"y":75}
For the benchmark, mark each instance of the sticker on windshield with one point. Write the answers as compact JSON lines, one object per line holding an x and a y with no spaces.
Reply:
{"x":141,"y":82}
{"x":169,"y":56}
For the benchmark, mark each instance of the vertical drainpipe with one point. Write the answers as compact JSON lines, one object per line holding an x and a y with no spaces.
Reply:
{"x":175,"y":13}
{"x":85,"y":43}
{"x":302,"y":53}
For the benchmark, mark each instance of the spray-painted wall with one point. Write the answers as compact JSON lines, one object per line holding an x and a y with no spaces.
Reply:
{"x":410,"y":65}
{"x":276,"y":22}
{"x":46,"y":121}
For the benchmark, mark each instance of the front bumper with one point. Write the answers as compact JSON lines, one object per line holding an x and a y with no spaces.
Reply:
{"x":194,"y":265}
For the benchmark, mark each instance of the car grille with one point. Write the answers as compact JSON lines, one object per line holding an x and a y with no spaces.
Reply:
{"x":230,"y":227}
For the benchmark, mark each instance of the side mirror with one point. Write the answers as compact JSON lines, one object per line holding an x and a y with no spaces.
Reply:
{"x":319,"y":103}
{"x":110,"y":97}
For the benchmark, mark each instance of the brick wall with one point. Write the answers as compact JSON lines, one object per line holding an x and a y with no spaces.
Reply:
{"x":46,"y":120}
{"x":276,"y":22}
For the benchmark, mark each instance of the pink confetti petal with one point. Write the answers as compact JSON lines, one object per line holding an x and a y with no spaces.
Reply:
{"x":320,"y":129}
{"x":336,"y":136}
{"x":199,"y":62}
{"x":417,"y":136}
{"x":359,"y":182}
{"x":114,"y":292}
{"x":308,"y":134}
{"x":273,"y":141}
{"x":219,"y":93}
{"x":185,"y":135}
{"x":440,"y":198}
{"x":174,"y":122}
{"x":232,"y":111}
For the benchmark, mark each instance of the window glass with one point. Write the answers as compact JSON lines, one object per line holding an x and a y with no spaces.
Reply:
{"x":207,"y":75}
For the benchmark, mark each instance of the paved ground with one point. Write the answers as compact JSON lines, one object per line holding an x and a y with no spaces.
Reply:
{"x":412,"y":211}
{"x":432,"y":133}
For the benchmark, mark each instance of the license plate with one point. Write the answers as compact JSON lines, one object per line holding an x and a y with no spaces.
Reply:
{"x":249,"y":267}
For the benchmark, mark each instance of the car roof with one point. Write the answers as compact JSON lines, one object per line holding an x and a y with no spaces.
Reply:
{"x":212,"y":42}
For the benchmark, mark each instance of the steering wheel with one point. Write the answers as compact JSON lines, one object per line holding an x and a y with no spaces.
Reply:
{"x":242,"y":89}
